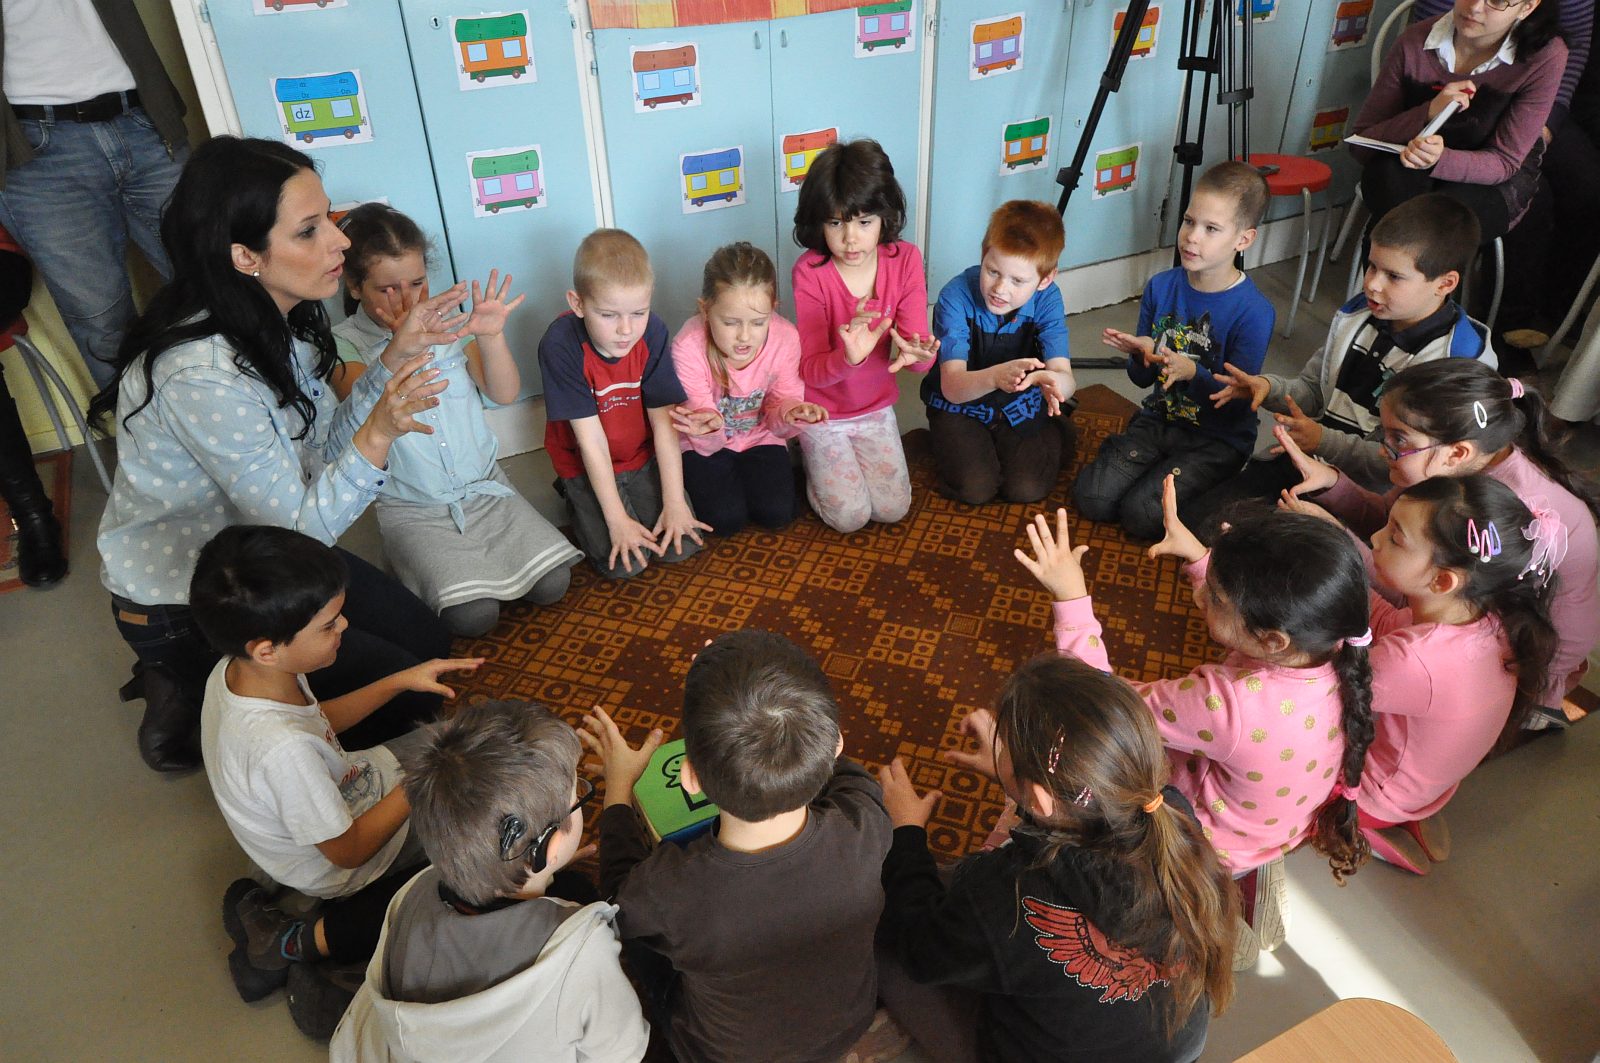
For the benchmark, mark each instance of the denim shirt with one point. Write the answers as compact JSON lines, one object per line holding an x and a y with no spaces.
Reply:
{"x":214,"y":449}
{"x":456,"y":462}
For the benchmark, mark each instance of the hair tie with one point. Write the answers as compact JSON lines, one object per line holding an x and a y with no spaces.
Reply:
{"x":1154,"y":803}
{"x":1549,"y":538}
{"x":1346,"y":792}
{"x":1480,"y":413}
{"x":1517,"y":390}
{"x":1484,"y":545}
{"x":1362,"y":640}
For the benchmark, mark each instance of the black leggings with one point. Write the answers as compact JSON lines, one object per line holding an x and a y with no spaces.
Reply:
{"x":730,"y":489}
{"x":1385,"y":184}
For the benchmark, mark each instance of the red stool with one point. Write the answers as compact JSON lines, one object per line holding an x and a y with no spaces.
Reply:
{"x":1289,"y":175}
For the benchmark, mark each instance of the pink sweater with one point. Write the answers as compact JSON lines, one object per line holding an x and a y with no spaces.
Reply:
{"x":1254,"y":747}
{"x":823,"y":305}
{"x":758,"y":395}
{"x":1575,"y":606}
{"x":1440,"y":696}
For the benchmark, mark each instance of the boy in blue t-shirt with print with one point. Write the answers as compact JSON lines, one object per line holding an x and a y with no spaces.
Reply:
{"x":1191,"y":321}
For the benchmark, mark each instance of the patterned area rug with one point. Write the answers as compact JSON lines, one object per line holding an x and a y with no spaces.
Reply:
{"x":916,"y":624}
{"x":56,"y":472}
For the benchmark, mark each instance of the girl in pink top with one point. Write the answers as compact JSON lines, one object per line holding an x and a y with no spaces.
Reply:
{"x":1260,"y":739}
{"x":1456,"y":417}
{"x":861,"y":302}
{"x":1455,"y":669}
{"x":739,"y":364}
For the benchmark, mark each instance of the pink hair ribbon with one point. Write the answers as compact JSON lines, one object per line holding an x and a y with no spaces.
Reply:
{"x":1362,"y":640}
{"x":1517,"y":390}
{"x":1549,"y":538}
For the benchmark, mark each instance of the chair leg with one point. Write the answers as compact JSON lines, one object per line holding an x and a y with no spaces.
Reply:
{"x":38,"y":368}
{"x":1305,"y":254}
{"x":1573,"y":313}
{"x":1354,"y":210}
{"x":1322,"y":252}
{"x":1499,"y":283}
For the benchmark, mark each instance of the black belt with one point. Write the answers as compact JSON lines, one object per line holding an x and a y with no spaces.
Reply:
{"x":102,"y":108}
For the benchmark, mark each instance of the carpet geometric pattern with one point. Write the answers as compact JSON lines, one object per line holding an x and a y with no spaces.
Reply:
{"x":916,"y":624}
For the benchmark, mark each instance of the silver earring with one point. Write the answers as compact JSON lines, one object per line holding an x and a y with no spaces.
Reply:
{"x":255,"y":273}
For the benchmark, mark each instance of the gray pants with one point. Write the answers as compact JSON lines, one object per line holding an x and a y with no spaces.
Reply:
{"x":641,"y":498}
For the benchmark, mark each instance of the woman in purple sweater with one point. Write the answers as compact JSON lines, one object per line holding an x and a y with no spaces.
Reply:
{"x":1502,"y":63}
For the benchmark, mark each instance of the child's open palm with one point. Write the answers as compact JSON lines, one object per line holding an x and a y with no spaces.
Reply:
{"x":900,"y":798}
{"x":805,"y":413}
{"x":1315,"y":475}
{"x":1055,"y":562}
{"x":489,"y":306}
{"x":1144,"y":347}
{"x":620,"y":763}
{"x":701,"y":422}
{"x":858,"y":337}
{"x":912,"y":351}
{"x":417,"y":326}
{"x":424,"y":677}
{"x":980,"y":726}
{"x":1237,"y":384}
{"x":1179,"y":542}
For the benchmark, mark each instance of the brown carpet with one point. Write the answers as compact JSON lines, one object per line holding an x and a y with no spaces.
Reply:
{"x":916,"y":623}
{"x":55,"y":470}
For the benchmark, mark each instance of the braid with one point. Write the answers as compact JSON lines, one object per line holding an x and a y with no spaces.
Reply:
{"x":1336,"y":833}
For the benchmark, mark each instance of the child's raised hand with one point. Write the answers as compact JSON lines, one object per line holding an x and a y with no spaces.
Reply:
{"x":1049,"y":386}
{"x":900,"y":798}
{"x":805,"y":413}
{"x":1315,"y":475}
{"x":1288,"y":501}
{"x":1305,"y":431}
{"x":632,"y":542}
{"x":429,"y":322}
{"x":1179,"y":542}
{"x":1055,"y":562}
{"x":978,"y":725}
{"x":424,"y":677}
{"x":620,"y":763}
{"x":675,"y":522}
{"x":1176,"y":367}
{"x":695,"y":422}
{"x":859,"y":339}
{"x":1126,"y":342}
{"x":1237,"y":384}
{"x":1016,"y":375}
{"x":489,"y":306}
{"x":911,"y":352}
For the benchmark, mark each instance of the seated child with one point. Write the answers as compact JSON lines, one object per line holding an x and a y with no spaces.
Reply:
{"x":1004,"y":367}
{"x":766,"y":921}
{"x":454,"y":529}
{"x":1404,"y":316}
{"x":1192,"y":322}
{"x":313,"y":816}
{"x":739,"y":364}
{"x":1102,"y":929}
{"x":479,"y":959}
{"x":609,"y":393}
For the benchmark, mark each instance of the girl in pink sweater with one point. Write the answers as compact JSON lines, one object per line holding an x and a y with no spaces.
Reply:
{"x":1463,"y":662}
{"x":1260,"y":739}
{"x":739,"y":364}
{"x":861,"y":302}
{"x":1455,"y":417}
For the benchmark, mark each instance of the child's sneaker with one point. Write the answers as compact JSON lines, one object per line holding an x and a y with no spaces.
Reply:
{"x":319,"y":994}
{"x":1395,"y":845}
{"x":1269,"y":917}
{"x":258,"y":962}
{"x":1246,"y":946}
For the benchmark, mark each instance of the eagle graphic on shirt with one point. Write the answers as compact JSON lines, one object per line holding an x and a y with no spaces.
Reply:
{"x":1194,"y":341}
{"x":1086,"y":955}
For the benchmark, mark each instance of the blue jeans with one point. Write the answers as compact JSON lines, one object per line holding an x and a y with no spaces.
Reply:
{"x":89,"y":187}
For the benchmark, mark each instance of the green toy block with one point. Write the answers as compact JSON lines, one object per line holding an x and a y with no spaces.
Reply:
{"x":669,"y":811}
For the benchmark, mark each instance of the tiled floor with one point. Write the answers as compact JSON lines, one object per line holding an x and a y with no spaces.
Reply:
{"x":112,"y":875}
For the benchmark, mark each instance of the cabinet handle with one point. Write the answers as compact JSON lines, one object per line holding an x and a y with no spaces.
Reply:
{"x":783,"y":38}
{"x":755,"y":39}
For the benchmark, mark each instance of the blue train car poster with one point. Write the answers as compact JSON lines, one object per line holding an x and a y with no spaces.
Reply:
{"x":888,"y":28}
{"x":492,"y":50}
{"x":995,"y":46}
{"x":1260,"y":10}
{"x":665,"y":76}
{"x":712,"y":179}
{"x":506,"y":179}
{"x":322,"y":110}
{"x":289,"y":7}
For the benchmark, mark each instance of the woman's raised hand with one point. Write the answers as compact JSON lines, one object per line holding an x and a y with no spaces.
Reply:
{"x":428,"y":322}
{"x":1179,"y":542}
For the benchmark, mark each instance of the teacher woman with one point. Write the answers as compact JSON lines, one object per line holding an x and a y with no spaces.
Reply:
{"x":225,"y":416}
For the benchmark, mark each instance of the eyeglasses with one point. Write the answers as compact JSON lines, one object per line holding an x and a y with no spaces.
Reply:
{"x":1392,"y":454}
{"x":536,"y":852}
{"x":1503,"y":5}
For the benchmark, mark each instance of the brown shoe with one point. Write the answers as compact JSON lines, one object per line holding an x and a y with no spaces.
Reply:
{"x":1433,"y":834}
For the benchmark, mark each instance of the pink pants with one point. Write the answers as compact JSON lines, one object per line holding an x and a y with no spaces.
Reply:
{"x":856,"y":470}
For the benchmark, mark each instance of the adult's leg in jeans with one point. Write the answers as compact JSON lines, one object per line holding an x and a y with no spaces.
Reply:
{"x":768,"y":483}
{"x":1259,"y":480}
{"x":1121,"y":462}
{"x":1031,"y":462}
{"x":965,"y":458}
{"x":148,"y":174}
{"x":943,"y":1020}
{"x":715,"y":490}
{"x":1197,"y":465}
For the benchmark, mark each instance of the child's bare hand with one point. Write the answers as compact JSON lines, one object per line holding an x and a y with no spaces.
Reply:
{"x":1237,"y":384}
{"x":489,"y":306}
{"x":1305,"y":431}
{"x":1143,"y":347}
{"x":428,"y":322}
{"x":632,"y":542}
{"x":1055,"y":562}
{"x":424,"y":677}
{"x":859,"y":338}
{"x":1288,"y":501}
{"x":1315,"y":475}
{"x":675,"y":522}
{"x":1176,"y":368}
{"x":805,"y":413}
{"x":911,"y":352}
{"x":620,"y":763}
{"x":1179,"y":542}
{"x":979,"y":725}
{"x":696,"y":422}
{"x":900,"y":798}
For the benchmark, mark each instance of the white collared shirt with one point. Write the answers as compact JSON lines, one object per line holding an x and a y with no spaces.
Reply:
{"x":1442,"y":39}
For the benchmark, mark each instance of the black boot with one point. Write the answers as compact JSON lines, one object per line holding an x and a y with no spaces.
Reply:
{"x":169,"y":734}
{"x":39,"y":558}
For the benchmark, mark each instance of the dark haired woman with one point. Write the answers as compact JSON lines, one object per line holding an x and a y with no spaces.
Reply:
{"x":225,"y":416}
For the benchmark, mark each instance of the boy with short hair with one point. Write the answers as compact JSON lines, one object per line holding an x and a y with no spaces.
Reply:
{"x":478,"y":958}
{"x":1192,"y":321}
{"x":1403,"y":317}
{"x":609,"y":392}
{"x":767,"y":919}
{"x":1004,"y":366}
{"x":313,"y":816}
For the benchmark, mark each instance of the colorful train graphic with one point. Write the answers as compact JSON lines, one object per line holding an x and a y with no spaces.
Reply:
{"x":279,"y":5}
{"x":799,"y":149}
{"x":1327,"y":128}
{"x":1115,"y":170}
{"x":1350,"y":22}
{"x":511,"y":180}
{"x":997,"y":45}
{"x":1260,"y":10}
{"x":1145,"y":42}
{"x":328,"y":105}
{"x":885,"y":25}
{"x":493,"y":47}
{"x":664,"y":75}
{"x":713,"y":175}
{"x":1026,"y":142}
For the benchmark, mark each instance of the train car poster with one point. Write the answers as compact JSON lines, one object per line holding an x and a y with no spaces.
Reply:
{"x":888,"y":28}
{"x":665,"y":76}
{"x":995,"y":46}
{"x":506,"y":179}
{"x":1144,"y":45}
{"x":800,"y":150}
{"x":289,"y":7}
{"x":711,"y":180}
{"x":1116,"y":170}
{"x":1024,"y":145}
{"x":322,"y":110}
{"x":492,"y":50}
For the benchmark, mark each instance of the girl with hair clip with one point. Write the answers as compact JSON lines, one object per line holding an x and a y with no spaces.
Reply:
{"x":1256,"y":738}
{"x":861,"y":303}
{"x":454,"y":529}
{"x":739,"y":364}
{"x":1460,"y":666}
{"x":1102,"y":929}
{"x":1455,"y":418}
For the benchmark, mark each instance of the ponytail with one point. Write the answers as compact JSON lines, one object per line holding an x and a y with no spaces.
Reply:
{"x":1336,"y":832}
{"x":1544,"y":438}
{"x":736,"y":265}
{"x":1525,"y":619}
